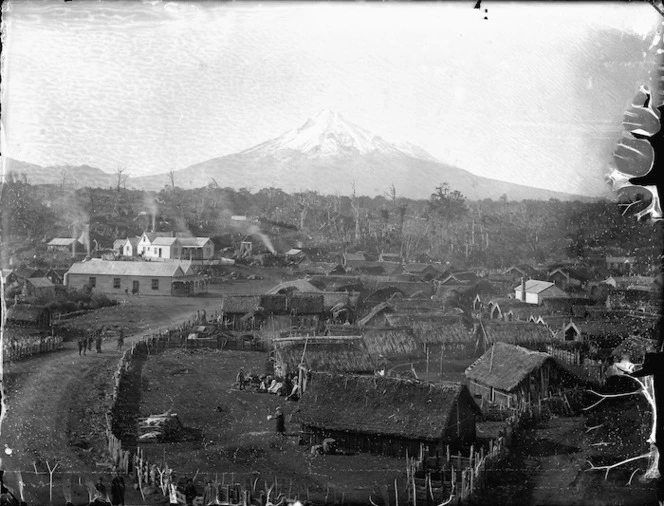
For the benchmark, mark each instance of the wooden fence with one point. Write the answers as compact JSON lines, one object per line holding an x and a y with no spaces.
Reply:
{"x":572,"y":357}
{"x":459,"y":477}
{"x":15,"y":350}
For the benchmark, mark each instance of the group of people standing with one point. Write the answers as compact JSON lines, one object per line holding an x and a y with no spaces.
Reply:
{"x":97,"y":337}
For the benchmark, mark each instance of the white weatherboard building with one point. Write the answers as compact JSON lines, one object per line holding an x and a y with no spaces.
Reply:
{"x":535,"y":291}
{"x":138,"y":278}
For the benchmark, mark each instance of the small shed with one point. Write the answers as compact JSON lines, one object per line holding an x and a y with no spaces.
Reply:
{"x":387,"y":416}
{"x":513,"y":377}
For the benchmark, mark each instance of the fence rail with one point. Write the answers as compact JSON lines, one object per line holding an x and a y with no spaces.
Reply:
{"x":14,"y":350}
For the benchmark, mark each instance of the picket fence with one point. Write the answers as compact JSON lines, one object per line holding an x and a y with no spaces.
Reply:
{"x":14,"y":351}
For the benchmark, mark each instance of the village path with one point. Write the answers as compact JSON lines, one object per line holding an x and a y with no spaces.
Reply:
{"x":47,"y":394}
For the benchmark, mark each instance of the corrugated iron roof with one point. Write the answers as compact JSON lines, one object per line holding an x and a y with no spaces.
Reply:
{"x":118,"y":268}
{"x":61,"y":241}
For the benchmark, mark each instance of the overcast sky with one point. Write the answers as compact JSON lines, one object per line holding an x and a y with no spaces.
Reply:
{"x":534,"y":94}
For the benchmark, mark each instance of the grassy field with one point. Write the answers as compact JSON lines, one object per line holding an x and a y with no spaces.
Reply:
{"x":238,"y":442}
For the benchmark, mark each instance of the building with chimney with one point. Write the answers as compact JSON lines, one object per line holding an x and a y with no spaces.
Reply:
{"x":535,"y":291}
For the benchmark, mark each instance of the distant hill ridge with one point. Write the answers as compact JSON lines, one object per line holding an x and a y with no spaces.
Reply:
{"x":326,"y":154}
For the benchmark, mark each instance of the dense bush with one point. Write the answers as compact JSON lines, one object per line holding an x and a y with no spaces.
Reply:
{"x":67,"y":300}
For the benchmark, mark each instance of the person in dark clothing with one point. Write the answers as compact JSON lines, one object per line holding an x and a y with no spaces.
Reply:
{"x":90,"y":339}
{"x":240,"y":378}
{"x":210,"y":494}
{"x":117,"y":490}
{"x":121,"y":339}
{"x":98,"y":341}
{"x":280,"y":421}
{"x":190,"y":492}
{"x":82,"y":345}
{"x":101,"y":488}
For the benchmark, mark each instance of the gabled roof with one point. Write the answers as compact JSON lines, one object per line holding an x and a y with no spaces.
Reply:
{"x":459,"y":278}
{"x":515,"y":332}
{"x":274,"y":303}
{"x":118,"y":243}
{"x":524,"y":269}
{"x":538,"y":286}
{"x":194,"y":242}
{"x":117,"y":268}
{"x":151,"y":236}
{"x":40,"y":282}
{"x":359,"y":256}
{"x":504,"y":366}
{"x":61,"y":241}
{"x":380,"y":405}
{"x":165,"y":241}
{"x":333,"y":354}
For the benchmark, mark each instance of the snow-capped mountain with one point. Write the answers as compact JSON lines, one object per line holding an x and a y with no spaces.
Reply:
{"x":331,"y":155}
{"x":326,"y":134}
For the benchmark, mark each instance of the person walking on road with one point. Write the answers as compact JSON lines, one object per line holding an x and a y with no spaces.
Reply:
{"x":121,"y":339}
{"x":98,"y":340}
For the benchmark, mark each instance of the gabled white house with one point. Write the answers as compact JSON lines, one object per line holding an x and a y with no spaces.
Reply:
{"x":196,"y":248}
{"x":130,"y":247}
{"x":535,"y":291}
{"x":146,"y":239}
{"x":164,"y":247}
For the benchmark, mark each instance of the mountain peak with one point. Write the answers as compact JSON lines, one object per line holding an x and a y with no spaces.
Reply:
{"x":326,"y":134}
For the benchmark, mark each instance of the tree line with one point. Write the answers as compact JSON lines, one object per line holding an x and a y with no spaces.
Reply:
{"x":447,"y":226}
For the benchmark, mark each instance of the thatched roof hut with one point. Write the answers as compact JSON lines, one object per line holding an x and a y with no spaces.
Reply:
{"x":376,"y":315}
{"x":339,"y":329}
{"x":334,"y":354}
{"x":443,"y":329}
{"x":504,"y":366}
{"x":240,"y":304}
{"x":530,"y":335}
{"x":27,"y":315}
{"x":421,"y":305}
{"x":391,"y":342}
{"x":351,"y":407}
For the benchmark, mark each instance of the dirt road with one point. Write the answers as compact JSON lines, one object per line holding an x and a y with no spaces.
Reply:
{"x":56,"y":402}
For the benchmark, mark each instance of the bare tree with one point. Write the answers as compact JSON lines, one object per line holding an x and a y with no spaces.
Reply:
{"x":121,"y":177}
{"x":171,"y":177}
{"x":64,"y":172}
{"x":355,"y":205}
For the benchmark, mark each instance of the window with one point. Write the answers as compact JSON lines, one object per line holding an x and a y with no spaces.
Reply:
{"x":159,"y":252}
{"x":116,"y":282}
{"x":155,"y":284}
{"x":92,"y":281}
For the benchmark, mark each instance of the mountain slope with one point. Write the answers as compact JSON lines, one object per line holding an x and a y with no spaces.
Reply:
{"x":329,"y":154}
